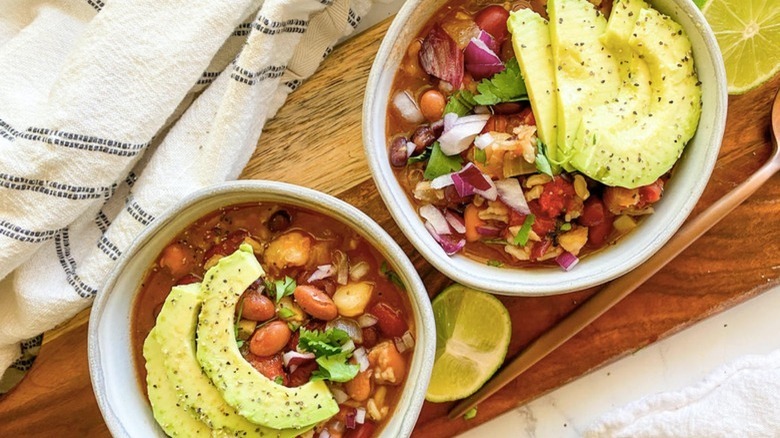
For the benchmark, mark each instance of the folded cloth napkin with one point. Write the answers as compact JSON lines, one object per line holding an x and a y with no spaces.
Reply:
{"x":110,"y":112}
{"x":738,"y":400}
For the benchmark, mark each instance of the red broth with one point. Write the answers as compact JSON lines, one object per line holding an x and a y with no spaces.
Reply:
{"x":271,"y":229}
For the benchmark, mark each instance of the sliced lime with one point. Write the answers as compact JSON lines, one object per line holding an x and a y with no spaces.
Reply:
{"x":472,"y":335}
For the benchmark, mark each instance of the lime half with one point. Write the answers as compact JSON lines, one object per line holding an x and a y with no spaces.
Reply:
{"x":472,"y":335}
{"x":748,"y":33}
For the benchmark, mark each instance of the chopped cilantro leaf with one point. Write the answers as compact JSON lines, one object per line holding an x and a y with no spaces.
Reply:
{"x":440,"y":164}
{"x":460,"y":103}
{"x":424,"y":156}
{"x":521,"y":238}
{"x":391,"y":275}
{"x":542,"y":163}
{"x":239,"y":343}
{"x":495,"y":263}
{"x":323,"y":343}
{"x":335,"y":368}
{"x":281,"y":288}
{"x":566,"y":226}
{"x":471,"y":413}
{"x":278,"y":380}
{"x":506,"y":86}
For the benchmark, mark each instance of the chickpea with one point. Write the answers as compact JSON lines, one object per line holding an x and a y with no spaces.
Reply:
{"x":432,"y":104}
{"x":291,"y":249}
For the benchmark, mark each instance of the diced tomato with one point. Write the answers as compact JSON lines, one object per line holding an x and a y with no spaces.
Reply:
{"x":389,"y":320}
{"x":593,"y":213}
{"x":652,"y":192}
{"x":227,"y":246}
{"x":556,"y":196}
{"x":364,"y":430}
{"x":492,"y":20}
{"x":598,"y":233}
{"x":542,"y":224}
{"x":507,"y":123}
{"x":269,"y":366}
{"x":302,"y":374}
{"x":539,"y":248}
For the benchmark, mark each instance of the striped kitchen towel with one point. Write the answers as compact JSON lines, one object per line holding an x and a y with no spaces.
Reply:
{"x":110,"y":112}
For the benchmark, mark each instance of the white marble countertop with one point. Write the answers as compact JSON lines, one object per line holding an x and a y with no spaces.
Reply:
{"x":670,"y":364}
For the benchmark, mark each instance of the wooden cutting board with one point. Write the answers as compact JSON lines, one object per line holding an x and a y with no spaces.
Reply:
{"x":315,"y":141}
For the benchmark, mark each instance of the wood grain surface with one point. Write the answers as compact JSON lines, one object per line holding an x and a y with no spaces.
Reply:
{"x":315,"y":141}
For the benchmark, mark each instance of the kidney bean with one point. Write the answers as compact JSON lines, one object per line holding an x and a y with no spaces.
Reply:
{"x":432,"y":104}
{"x":422,"y":138}
{"x":398,"y":151}
{"x":492,"y":20}
{"x":364,"y":430}
{"x":315,"y":302}
{"x":270,"y":338}
{"x":279,"y":221}
{"x":389,"y":320}
{"x":257,"y":307}
{"x":302,"y":374}
{"x":507,"y":108}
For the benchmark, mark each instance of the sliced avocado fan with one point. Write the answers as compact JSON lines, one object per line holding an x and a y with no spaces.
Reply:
{"x":175,"y":332}
{"x":253,"y":395}
{"x":174,"y":419}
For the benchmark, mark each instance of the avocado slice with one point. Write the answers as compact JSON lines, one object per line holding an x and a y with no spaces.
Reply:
{"x":586,"y":73}
{"x":531,"y":41}
{"x":175,"y":332}
{"x":253,"y":395}
{"x":641,"y":134}
{"x":174,"y":419}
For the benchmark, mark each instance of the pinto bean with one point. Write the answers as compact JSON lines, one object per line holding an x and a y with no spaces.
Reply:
{"x":398,"y":151}
{"x":315,"y":302}
{"x":270,"y":338}
{"x":257,"y":307}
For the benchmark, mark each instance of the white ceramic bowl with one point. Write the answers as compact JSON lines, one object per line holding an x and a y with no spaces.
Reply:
{"x":680,"y":195}
{"x":114,"y":380}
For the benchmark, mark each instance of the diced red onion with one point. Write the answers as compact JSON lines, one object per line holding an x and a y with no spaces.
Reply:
{"x":361,"y":358}
{"x":442,"y":181}
{"x":339,"y":395}
{"x":490,"y":194}
{"x":436,"y":218}
{"x":455,"y":221}
{"x":487,"y":230}
{"x":407,"y":106}
{"x":441,"y":57}
{"x":295,"y":358}
{"x":367,"y":320}
{"x":483,"y":140}
{"x":511,"y":194}
{"x":489,"y":41}
{"x":462,"y":132}
{"x":360,"y":415}
{"x":450,"y":244}
{"x":323,"y":271}
{"x":567,"y":260}
{"x":349,"y":325}
{"x":480,"y":60}
{"x":349,"y":419}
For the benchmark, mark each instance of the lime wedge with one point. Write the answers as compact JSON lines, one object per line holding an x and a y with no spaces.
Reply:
{"x":472,"y":335}
{"x":748,"y":33}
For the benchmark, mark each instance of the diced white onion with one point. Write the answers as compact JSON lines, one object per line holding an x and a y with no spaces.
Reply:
{"x":436,"y":218}
{"x":360,"y":415}
{"x":461,"y":133}
{"x":410,"y":147}
{"x":511,"y":194}
{"x":408,"y":107}
{"x":339,"y":395}
{"x":361,"y":358}
{"x":323,"y":271}
{"x":324,"y":434}
{"x":292,"y":355}
{"x":442,"y":181}
{"x":481,"y":109}
{"x":366,"y":320}
{"x":483,"y":140}
{"x":408,"y":339}
{"x":400,"y":345}
{"x":348,"y":346}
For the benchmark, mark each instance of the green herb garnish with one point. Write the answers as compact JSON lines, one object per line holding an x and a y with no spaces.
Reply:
{"x":495,"y":263}
{"x":235,"y":325}
{"x":565,"y":226}
{"x":471,"y":413}
{"x":480,"y":156}
{"x":521,"y":238}
{"x":278,"y":380}
{"x":328,"y":348}
{"x":281,"y":288}
{"x":391,"y":275}
{"x":507,"y":86}
{"x":440,"y":164}
{"x":542,"y":163}
{"x":461,"y":103}
{"x":424,"y":156}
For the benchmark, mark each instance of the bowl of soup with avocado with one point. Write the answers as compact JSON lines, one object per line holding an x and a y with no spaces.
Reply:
{"x":262,"y":309}
{"x":543,"y":147}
